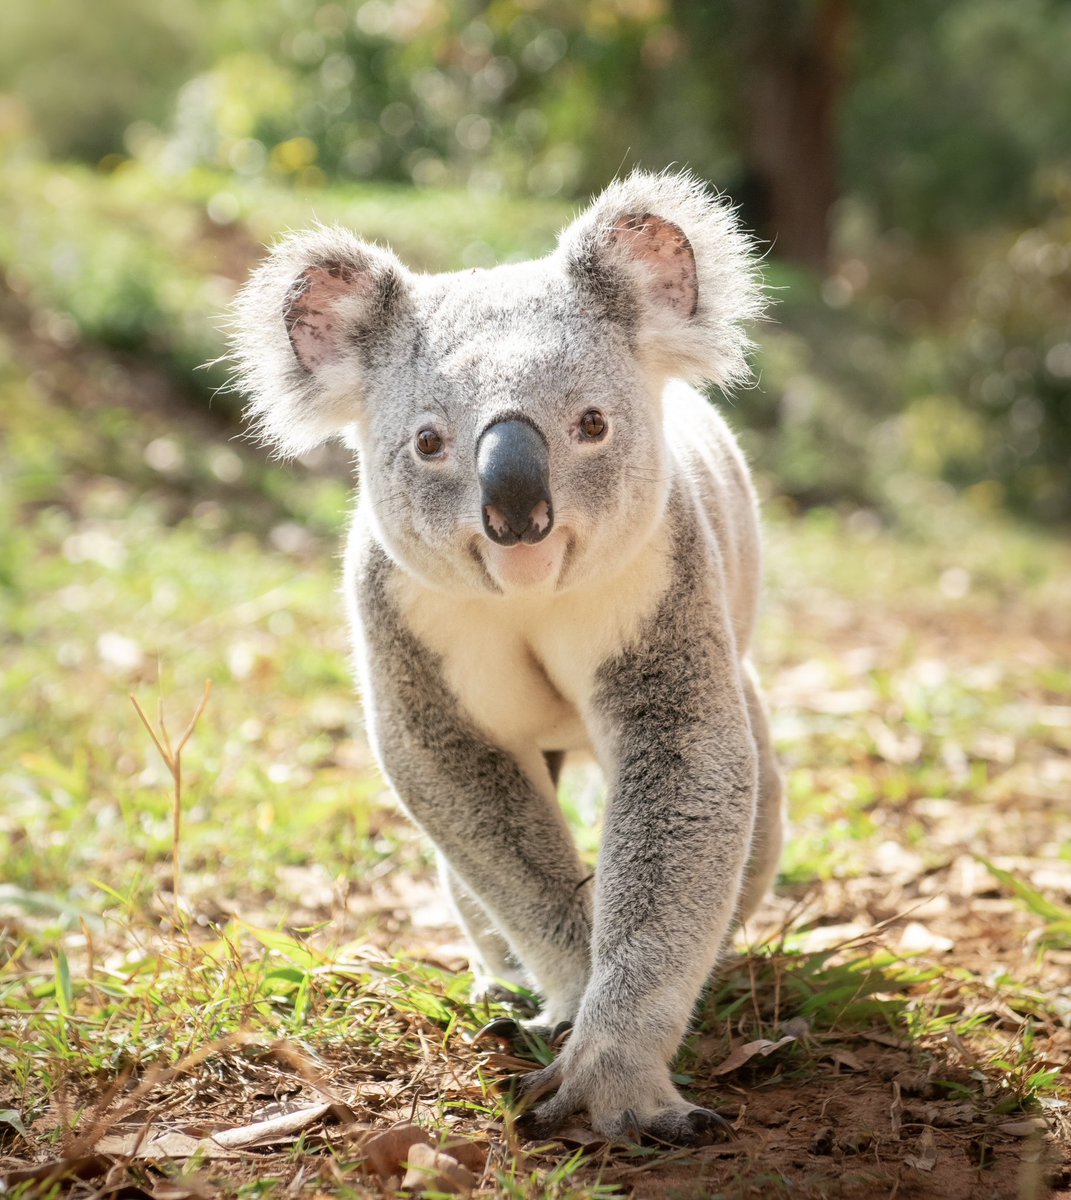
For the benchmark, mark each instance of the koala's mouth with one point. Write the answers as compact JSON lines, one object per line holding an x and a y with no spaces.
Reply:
{"x":525,"y":568}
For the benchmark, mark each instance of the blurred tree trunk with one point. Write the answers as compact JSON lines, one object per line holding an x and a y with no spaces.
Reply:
{"x":782,"y":63}
{"x":791,"y":85}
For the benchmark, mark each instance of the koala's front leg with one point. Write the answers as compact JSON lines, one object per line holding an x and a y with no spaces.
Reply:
{"x":498,"y":972}
{"x":505,"y":842}
{"x":677,"y":835}
{"x":493,"y":816}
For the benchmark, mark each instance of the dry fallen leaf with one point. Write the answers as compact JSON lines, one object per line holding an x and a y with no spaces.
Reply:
{"x":846,"y":1059}
{"x":277,"y":1129}
{"x":388,"y":1150}
{"x":152,"y":1143}
{"x":1025,"y":1128}
{"x":749,"y":1050}
{"x":925,"y":1157}
{"x":917,"y":939}
{"x":84,"y":1166}
{"x":468,"y":1153}
{"x":157,"y":1142}
{"x":431,"y":1170}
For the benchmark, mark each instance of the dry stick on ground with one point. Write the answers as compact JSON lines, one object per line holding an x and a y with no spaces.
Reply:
{"x":172,"y":757}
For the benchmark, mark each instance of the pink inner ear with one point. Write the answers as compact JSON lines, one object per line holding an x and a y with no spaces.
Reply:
{"x":661,"y":247}
{"x":315,"y":328}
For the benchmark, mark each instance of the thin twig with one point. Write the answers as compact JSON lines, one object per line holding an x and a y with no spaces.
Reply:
{"x":172,"y":757}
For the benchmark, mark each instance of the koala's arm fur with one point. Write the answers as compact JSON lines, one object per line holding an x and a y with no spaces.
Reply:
{"x":671,"y":711}
{"x":494,"y":818}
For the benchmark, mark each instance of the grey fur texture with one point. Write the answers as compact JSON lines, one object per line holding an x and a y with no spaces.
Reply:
{"x":622,"y":633}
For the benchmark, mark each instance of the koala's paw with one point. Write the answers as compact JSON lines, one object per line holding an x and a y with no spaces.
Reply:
{"x":623,"y":1103}
{"x":520,"y":1035}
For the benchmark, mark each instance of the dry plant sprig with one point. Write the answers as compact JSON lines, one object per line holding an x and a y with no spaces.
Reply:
{"x":172,"y":756}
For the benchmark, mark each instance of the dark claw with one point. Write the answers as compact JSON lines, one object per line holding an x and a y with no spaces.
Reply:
{"x":557,"y":1034}
{"x":630,"y":1126}
{"x":527,"y":1089}
{"x":532,"y":1127}
{"x":707,"y":1125}
{"x":547,"y":1119}
{"x":501,"y":1029}
{"x":698,"y":1127}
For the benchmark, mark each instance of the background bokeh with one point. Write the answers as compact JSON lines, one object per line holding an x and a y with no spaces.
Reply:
{"x":907,"y":166}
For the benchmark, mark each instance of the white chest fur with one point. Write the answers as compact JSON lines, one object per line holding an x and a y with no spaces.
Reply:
{"x":523,"y":667}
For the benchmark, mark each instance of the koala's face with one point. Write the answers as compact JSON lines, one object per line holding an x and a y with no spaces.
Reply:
{"x":508,"y":438}
{"x":508,"y":421}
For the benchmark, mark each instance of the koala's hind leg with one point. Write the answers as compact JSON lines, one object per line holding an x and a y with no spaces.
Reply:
{"x":496,"y":969}
{"x":768,"y":838}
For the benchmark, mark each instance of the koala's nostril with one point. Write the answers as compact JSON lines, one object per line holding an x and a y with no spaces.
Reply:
{"x":497,"y":523}
{"x":513,"y":467}
{"x":508,"y":529}
{"x":540,"y":520}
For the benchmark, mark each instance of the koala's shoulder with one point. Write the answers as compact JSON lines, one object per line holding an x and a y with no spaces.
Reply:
{"x":717,"y":497}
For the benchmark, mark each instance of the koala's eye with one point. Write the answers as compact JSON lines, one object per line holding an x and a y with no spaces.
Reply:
{"x":428,"y":442}
{"x":593,"y":424}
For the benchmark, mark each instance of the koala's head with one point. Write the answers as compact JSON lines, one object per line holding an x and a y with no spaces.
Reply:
{"x":508,"y":422}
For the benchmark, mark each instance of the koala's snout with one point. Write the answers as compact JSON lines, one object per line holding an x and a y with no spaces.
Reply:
{"x":513,"y":467}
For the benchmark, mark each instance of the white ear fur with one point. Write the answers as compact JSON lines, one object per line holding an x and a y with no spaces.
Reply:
{"x":669,"y":262}
{"x":303,"y":328}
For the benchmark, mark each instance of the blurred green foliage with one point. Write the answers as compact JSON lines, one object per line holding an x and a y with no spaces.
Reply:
{"x":956,"y":113}
{"x":901,"y":369}
{"x":951,"y":113}
{"x":936,"y":347}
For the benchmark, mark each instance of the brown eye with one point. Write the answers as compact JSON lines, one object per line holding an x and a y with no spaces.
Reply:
{"x":428,"y":442}
{"x":593,"y":424}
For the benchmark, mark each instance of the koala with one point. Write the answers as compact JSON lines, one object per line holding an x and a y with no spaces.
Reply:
{"x":554,"y":551}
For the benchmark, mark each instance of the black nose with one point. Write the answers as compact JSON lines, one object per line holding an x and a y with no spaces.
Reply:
{"x":513,"y":467}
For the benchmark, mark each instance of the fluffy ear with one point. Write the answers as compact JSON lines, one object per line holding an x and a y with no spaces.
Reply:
{"x":665,"y":259}
{"x":306,"y":327}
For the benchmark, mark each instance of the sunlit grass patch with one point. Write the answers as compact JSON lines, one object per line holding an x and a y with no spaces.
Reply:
{"x":959,"y":1035}
{"x":139,"y":997}
{"x":1056,"y":930}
